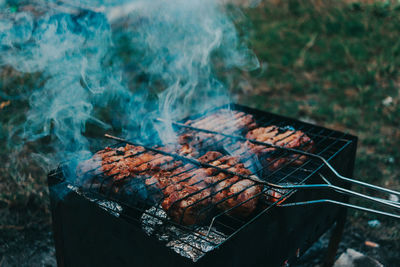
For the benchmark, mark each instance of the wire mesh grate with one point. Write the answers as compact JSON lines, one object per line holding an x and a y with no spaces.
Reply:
{"x":141,"y":202}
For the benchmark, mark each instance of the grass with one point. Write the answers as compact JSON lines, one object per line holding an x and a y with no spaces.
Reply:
{"x":335,"y":64}
{"x":330,"y":62}
{"x":338,"y":65}
{"x":23,"y":187}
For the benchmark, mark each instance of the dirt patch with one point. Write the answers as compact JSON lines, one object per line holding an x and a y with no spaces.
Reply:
{"x":29,"y":247}
{"x":388,"y":252}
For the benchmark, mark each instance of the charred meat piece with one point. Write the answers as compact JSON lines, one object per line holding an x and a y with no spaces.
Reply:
{"x":235,"y":193}
{"x":124,"y":163}
{"x":213,"y":187}
{"x":283,"y":137}
{"x":240,"y":194}
{"x":106,"y":159}
{"x":194,"y":143}
{"x":187,"y":192}
{"x":126,"y":166}
{"x":210,"y":156}
{"x":188,"y":173}
{"x":187,"y":204}
{"x":224,"y":121}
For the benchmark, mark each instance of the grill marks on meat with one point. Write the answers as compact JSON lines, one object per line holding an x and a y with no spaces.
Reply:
{"x":124,"y":163}
{"x":189,"y":196}
{"x":236,"y":123}
{"x":233,"y":191}
{"x":273,"y":157}
{"x":224,"y":121}
{"x":288,"y":138}
{"x":185,"y":204}
{"x":107,"y":161}
{"x":189,"y":193}
{"x":133,"y":163}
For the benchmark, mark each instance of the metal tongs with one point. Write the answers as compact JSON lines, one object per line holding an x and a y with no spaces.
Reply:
{"x":327,"y":185}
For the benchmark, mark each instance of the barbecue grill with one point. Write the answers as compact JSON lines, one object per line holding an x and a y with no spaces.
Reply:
{"x":102,"y":223}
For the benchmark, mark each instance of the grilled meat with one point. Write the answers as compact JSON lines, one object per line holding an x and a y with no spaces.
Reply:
{"x":284,"y":137}
{"x":238,"y":194}
{"x":188,"y":195}
{"x":188,"y":192}
{"x":187,"y":204}
{"x":224,"y":121}
{"x":107,"y":159}
{"x":122,"y":165}
{"x":133,"y":163}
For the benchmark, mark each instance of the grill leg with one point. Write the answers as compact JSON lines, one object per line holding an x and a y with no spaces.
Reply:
{"x":335,"y":239}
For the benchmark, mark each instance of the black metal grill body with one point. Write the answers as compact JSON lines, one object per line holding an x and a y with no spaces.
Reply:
{"x":88,"y":235}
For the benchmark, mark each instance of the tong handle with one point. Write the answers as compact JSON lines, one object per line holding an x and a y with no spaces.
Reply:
{"x":328,"y":185}
{"x":339,"y":189}
{"x":330,"y":201}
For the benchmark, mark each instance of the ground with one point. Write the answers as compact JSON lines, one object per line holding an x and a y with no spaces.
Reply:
{"x":333,"y":63}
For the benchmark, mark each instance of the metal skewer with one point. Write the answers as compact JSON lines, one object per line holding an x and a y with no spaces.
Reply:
{"x":347,"y":205}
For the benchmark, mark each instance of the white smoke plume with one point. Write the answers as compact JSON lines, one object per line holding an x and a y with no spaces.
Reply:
{"x":174,"y":47}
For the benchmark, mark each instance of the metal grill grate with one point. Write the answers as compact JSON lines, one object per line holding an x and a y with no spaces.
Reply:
{"x":196,"y":240}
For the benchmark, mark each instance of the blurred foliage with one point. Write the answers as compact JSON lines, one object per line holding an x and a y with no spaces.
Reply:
{"x":22,"y":176}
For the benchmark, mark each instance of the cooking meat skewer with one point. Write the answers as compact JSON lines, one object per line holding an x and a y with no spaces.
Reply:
{"x":317,"y":186}
{"x":188,"y":191}
{"x":186,"y":196}
{"x":296,"y":151}
{"x":220,"y":189}
{"x":223,"y":120}
{"x":234,"y":122}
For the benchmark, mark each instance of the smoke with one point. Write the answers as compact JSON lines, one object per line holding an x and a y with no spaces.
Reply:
{"x":65,"y":49}
{"x":173,"y":50}
{"x":176,"y":41}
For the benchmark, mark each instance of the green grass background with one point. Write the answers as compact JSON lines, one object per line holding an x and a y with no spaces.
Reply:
{"x":336,"y":64}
